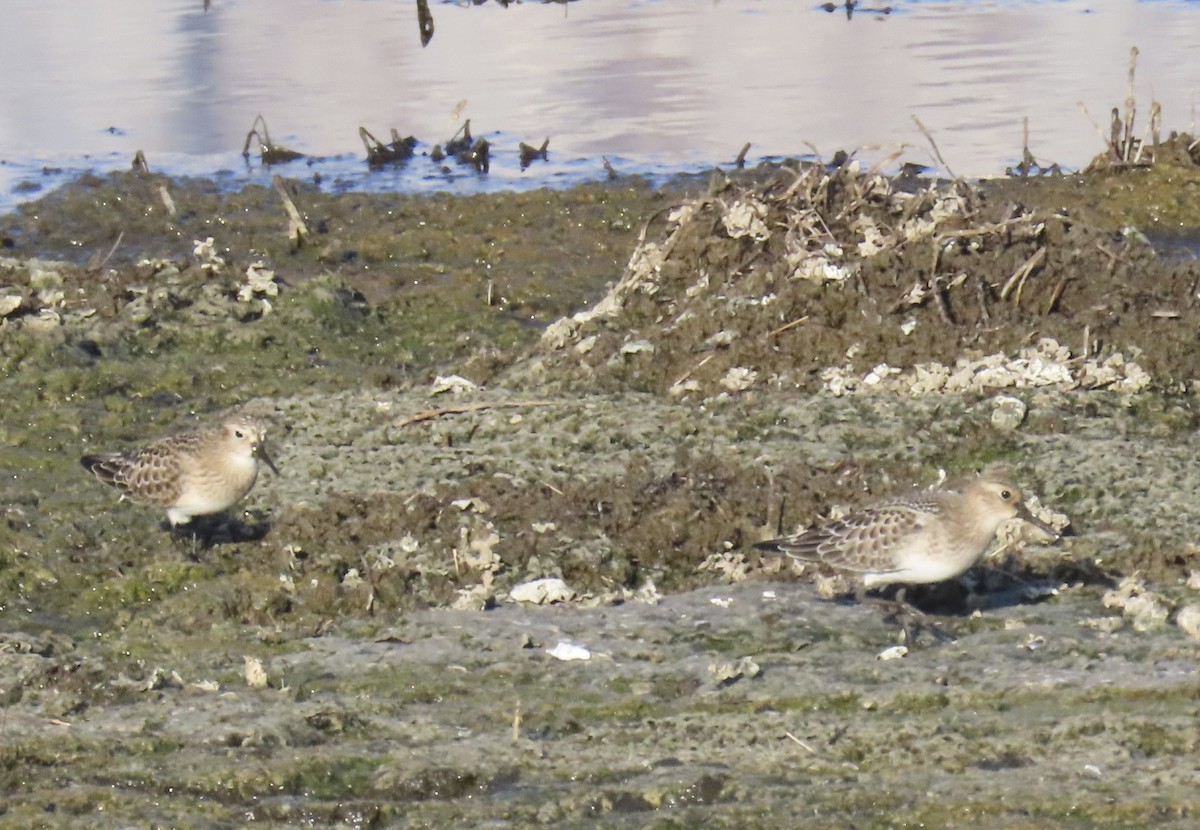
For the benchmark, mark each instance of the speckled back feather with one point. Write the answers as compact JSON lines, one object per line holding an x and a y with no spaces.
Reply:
{"x":864,"y":540}
{"x":151,"y":475}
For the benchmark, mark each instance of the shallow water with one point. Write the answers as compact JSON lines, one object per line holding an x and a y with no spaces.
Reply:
{"x":656,"y":87}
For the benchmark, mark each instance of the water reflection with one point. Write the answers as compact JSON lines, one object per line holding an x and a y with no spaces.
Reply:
{"x":653,"y":85}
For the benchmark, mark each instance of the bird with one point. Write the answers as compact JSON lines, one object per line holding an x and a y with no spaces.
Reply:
{"x":919,"y":539}
{"x":191,"y":473}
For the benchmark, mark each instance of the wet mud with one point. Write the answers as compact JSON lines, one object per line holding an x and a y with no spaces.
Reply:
{"x":622,"y":388}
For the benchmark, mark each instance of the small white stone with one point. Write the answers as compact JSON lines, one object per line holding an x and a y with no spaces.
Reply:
{"x":569,"y":651}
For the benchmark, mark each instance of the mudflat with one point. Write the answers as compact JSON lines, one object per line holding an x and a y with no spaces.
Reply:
{"x":618,"y":389}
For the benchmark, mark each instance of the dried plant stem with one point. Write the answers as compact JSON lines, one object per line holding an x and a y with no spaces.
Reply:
{"x":1017,"y":280}
{"x":431,"y":414}
{"x":692,"y":370}
{"x":800,"y":743}
{"x":1130,"y":108}
{"x":798,"y":321}
{"x":936,"y":152}
{"x":297,"y":230}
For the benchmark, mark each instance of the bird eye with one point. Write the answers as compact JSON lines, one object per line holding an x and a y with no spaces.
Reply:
{"x":1006,"y":494}
{"x":239,"y":433}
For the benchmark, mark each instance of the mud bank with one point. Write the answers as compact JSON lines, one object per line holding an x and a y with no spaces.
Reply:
{"x":592,"y":385}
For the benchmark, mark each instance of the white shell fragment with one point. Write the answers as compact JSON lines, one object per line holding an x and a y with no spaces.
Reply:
{"x":542,"y":591}
{"x":1008,"y":412}
{"x":568,"y":651}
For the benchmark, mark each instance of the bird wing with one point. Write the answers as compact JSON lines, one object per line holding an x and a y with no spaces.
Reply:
{"x":862,"y":541}
{"x":147,"y":476}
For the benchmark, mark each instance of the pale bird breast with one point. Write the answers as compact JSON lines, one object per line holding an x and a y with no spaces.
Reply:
{"x":216,"y":485}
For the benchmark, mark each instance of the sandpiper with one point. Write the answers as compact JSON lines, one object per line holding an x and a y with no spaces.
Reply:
{"x":192,"y":473}
{"x":932,"y":537}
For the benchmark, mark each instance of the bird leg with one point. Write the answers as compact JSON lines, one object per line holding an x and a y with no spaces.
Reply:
{"x":912,"y":620}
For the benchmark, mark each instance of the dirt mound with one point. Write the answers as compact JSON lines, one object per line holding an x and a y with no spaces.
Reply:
{"x":843,"y":280}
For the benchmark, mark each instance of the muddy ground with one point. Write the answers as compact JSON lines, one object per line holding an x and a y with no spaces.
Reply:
{"x":623,"y":388}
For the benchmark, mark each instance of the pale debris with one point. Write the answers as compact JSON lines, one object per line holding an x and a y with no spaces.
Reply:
{"x":648,"y":593}
{"x":569,"y":651}
{"x":739,"y":378}
{"x":721,"y":339}
{"x":206,"y":254}
{"x":1105,"y":625}
{"x":475,"y":597}
{"x":873,"y":240}
{"x":1188,"y":620}
{"x":253,"y":671}
{"x":542,"y":591}
{"x":1044,"y":364}
{"x":746,"y":218}
{"x":637,"y":347}
{"x":819,"y":268}
{"x":876,"y":375}
{"x":259,"y":281}
{"x":729,"y":671}
{"x":641,"y":274}
{"x":689,"y":385}
{"x":1145,"y":609}
{"x":732,"y":566}
{"x":454,"y":384}
{"x":1008,"y":412}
